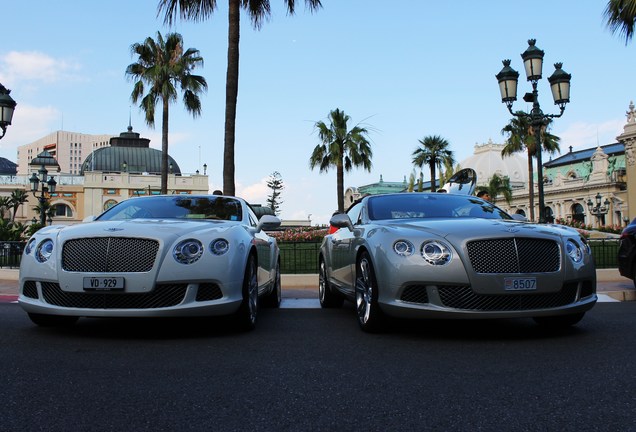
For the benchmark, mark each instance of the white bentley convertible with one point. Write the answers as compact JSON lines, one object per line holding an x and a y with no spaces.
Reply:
{"x":156,"y":256}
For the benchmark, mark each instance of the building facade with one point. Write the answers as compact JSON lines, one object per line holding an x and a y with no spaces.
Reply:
{"x":95,"y":172}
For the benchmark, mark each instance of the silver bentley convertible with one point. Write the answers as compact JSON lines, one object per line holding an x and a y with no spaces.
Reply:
{"x":154,"y":256}
{"x":448,"y":255}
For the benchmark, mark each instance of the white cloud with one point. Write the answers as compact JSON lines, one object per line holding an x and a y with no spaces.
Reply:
{"x":37,"y":66}
{"x":29,"y":124}
{"x":255,"y":193}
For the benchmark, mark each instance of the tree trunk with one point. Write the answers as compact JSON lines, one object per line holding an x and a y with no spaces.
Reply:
{"x":164,"y":146}
{"x":340,"y":186}
{"x":432,"y":177}
{"x":231,"y":95}
{"x":531,"y":185}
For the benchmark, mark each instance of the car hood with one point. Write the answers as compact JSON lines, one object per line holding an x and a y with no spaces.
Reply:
{"x":457,"y":230}
{"x":145,"y":228}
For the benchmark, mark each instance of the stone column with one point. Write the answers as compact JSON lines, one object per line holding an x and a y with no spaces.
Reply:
{"x":628,"y":139}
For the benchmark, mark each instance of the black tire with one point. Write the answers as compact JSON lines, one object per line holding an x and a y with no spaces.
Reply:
{"x":559,"y":322}
{"x":246,"y":315}
{"x":43,"y":320}
{"x":370,"y":317}
{"x":274,"y":297}
{"x":328,"y":298}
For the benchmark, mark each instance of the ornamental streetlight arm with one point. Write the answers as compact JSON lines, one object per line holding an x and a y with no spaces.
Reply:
{"x":560,"y":85}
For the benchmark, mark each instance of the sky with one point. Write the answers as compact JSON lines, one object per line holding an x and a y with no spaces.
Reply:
{"x":404,"y":70}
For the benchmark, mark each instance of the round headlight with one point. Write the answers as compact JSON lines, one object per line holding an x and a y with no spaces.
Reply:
{"x":436,"y":253}
{"x":44,"y":250}
{"x":219,"y":246}
{"x":188,"y":251}
{"x":29,"y":247}
{"x":574,"y":250}
{"x":403,"y":248}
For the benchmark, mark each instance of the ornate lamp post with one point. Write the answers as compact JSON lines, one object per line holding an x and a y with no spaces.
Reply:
{"x":7,"y":106}
{"x":560,"y":85}
{"x":599,"y":210}
{"x":43,"y":160}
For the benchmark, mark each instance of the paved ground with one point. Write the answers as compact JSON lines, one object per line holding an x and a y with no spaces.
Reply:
{"x":609,"y":283}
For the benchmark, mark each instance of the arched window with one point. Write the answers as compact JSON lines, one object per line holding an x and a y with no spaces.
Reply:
{"x":521,"y":212}
{"x":63,"y":210}
{"x":108,"y":204}
{"x":549,"y":215}
{"x":578,"y":213}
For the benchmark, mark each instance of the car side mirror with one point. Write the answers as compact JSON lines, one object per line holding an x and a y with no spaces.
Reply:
{"x":267,"y":222}
{"x":341,"y":220}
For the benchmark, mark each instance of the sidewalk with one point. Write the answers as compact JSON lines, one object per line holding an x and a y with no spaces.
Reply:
{"x":609,"y":282}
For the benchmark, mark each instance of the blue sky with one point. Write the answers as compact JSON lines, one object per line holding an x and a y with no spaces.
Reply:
{"x":403,"y":69}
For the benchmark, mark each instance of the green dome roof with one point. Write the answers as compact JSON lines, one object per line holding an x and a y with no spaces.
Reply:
{"x":129,"y":153}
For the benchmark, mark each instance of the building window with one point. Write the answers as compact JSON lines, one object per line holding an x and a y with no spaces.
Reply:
{"x":63,"y":210}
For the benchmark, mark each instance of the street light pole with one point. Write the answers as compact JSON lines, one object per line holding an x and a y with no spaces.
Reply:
{"x":599,"y":210}
{"x":49,"y":184}
{"x":560,"y":85}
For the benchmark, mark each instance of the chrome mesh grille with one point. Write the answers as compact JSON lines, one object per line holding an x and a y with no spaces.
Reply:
{"x":109,"y":255}
{"x":463,"y":297}
{"x":415,"y":294}
{"x":208,"y":291}
{"x":514,"y":255}
{"x":163,"y":295}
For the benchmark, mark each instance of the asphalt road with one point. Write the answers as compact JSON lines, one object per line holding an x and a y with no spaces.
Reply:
{"x":312,"y":369}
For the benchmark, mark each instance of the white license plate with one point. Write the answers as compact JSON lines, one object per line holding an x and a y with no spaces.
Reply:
{"x":104,"y":283}
{"x":520,"y":284}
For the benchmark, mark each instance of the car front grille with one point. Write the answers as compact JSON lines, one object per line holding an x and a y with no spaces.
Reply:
{"x":109,"y":255}
{"x":514,"y":255}
{"x":415,"y":294}
{"x":29,"y":289}
{"x":163,"y":295}
{"x":463,"y":297}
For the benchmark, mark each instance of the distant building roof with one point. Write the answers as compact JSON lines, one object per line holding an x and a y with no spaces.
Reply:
{"x":573,"y":157}
{"x":7,"y":167}
{"x":127,"y":152}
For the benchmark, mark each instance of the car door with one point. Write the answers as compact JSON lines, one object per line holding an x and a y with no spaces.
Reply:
{"x":343,"y":251}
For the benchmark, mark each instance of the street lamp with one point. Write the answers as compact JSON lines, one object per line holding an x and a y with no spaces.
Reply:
{"x":205,"y":169}
{"x":560,"y":86}
{"x":43,"y":160}
{"x":598,"y":210}
{"x":7,"y":106}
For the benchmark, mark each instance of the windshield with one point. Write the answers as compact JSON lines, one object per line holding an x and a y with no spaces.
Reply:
{"x":176,"y":207}
{"x":429,"y":205}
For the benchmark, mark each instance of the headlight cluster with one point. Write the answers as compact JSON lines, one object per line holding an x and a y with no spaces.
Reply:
{"x":44,"y":250}
{"x":433,"y":251}
{"x":576,"y":251}
{"x":189,"y":251}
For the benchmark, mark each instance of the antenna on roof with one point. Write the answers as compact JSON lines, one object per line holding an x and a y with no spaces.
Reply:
{"x":129,"y":118}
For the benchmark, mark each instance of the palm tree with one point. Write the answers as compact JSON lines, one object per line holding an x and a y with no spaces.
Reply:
{"x":163,"y":65}
{"x":258,"y":11}
{"x":521,"y":138}
{"x":434,"y":152}
{"x":18,"y":197}
{"x":498,"y":185}
{"x":621,"y":16}
{"x":341,"y":148}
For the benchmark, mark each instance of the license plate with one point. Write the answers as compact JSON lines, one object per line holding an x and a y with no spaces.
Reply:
{"x":520,"y":284}
{"x":104,"y":283}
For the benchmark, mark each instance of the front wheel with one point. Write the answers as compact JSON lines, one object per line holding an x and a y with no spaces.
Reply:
{"x":44,"y":320}
{"x":246,"y":314}
{"x":560,"y":321}
{"x":370,"y":317}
